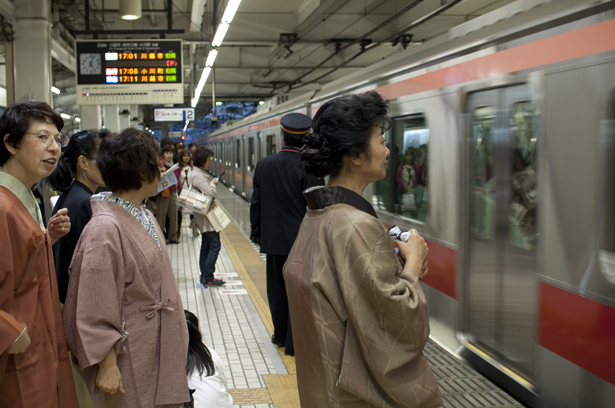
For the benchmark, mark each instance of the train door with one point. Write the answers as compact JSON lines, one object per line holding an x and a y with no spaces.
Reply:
{"x":237,"y":159}
{"x":499,"y":280}
{"x":230,"y":172}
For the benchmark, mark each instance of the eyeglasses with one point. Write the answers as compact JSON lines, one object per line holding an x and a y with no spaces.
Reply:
{"x":46,"y":137}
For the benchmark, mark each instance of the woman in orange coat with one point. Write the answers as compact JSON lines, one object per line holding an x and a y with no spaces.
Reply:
{"x":34,"y":366}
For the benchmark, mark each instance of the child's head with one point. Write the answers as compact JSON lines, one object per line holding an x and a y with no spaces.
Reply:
{"x":199,"y":356}
{"x":167,"y":153}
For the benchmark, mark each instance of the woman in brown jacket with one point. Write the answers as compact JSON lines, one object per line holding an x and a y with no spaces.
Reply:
{"x":359,"y":316}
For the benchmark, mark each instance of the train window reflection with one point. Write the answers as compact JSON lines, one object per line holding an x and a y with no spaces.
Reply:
{"x":238,"y":154}
{"x":483,"y":196}
{"x":251,"y":158}
{"x":522,"y":232}
{"x":606,"y":254}
{"x":271,"y":147}
{"x":409,"y":157}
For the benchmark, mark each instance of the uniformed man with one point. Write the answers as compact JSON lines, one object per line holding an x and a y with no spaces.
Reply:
{"x":276,"y":211}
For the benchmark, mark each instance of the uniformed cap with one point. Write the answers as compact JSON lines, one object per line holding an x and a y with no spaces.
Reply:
{"x":296,"y":123}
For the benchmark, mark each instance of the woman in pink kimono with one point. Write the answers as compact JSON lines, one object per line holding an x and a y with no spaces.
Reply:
{"x":123,"y":315}
{"x":359,"y":314}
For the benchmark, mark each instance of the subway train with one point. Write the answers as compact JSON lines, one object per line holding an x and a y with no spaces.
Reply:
{"x":503,"y":158}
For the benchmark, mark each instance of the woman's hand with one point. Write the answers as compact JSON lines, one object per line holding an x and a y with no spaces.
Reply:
{"x":109,"y":378}
{"x":215,"y":181}
{"x":414,"y":252}
{"x":59,"y":225}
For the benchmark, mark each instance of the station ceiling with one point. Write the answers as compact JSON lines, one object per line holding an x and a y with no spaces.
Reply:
{"x":273,"y":47}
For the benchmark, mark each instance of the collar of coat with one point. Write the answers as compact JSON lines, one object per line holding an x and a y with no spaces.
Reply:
{"x":322,"y":197}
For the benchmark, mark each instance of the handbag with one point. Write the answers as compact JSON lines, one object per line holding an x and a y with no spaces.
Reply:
{"x":194,"y":200}
{"x":218,"y":218}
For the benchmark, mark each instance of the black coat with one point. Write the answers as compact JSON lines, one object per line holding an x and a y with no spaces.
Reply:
{"x":77,"y":201}
{"x":277,"y":206}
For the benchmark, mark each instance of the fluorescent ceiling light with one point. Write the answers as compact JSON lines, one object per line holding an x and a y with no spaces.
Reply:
{"x":199,"y":87}
{"x":185,"y":126}
{"x":65,"y":116}
{"x":218,"y":103}
{"x":211,"y":58}
{"x":220,"y":33}
{"x":231,"y":9}
{"x":55,"y":90}
{"x":77,"y":119}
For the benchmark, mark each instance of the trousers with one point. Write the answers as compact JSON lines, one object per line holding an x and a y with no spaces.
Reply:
{"x":210,"y":248}
{"x":278,"y":302}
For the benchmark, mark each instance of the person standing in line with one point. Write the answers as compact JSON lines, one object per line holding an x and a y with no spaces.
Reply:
{"x":192,"y":148}
{"x":359,"y":314}
{"x":77,"y":177}
{"x":166,"y":200}
{"x":210,"y":241}
{"x":123,"y":314}
{"x":276,"y":210}
{"x":34,"y":365}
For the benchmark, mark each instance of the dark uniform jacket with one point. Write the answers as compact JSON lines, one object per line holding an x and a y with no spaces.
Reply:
{"x":278,"y":207}
{"x":77,"y":201}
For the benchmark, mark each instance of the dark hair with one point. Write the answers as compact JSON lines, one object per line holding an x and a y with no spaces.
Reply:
{"x":17,"y":119}
{"x":190,"y":145}
{"x":84,"y":143}
{"x":166,"y":141}
{"x":181,"y":154}
{"x":201,"y":155}
{"x":293,"y":140}
{"x":127,"y":159}
{"x":342,"y":127}
{"x":166,"y":148}
{"x":199,"y":356}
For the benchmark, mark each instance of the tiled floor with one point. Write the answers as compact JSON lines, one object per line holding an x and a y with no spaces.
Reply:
{"x":238,"y":326}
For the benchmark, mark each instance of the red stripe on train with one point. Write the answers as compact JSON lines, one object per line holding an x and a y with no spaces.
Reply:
{"x":562,"y":47}
{"x":442,"y":274}
{"x":579,"y":329}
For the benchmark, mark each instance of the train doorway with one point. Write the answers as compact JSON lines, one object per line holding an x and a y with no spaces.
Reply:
{"x":501,"y":235}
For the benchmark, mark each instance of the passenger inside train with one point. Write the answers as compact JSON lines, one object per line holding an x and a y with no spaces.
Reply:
{"x":482,"y":129}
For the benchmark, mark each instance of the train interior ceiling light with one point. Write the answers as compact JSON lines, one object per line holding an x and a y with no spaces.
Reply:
{"x":130,"y":9}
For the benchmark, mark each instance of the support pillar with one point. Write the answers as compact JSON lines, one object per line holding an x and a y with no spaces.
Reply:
{"x":32,"y":51}
{"x":112,"y":118}
{"x":91,"y":117}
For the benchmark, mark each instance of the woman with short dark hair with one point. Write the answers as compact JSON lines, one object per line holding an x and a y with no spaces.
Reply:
{"x":34,"y":366}
{"x":359,"y":315}
{"x":210,"y":239}
{"x":123,"y":313}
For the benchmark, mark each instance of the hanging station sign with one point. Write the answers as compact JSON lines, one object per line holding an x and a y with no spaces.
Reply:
{"x":174,"y":114}
{"x":129,"y":72}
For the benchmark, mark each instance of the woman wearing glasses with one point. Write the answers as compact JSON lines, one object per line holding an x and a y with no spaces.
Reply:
{"x":34,"y":366}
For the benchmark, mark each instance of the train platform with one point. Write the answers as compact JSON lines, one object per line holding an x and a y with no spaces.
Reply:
{"x":236,"y":322}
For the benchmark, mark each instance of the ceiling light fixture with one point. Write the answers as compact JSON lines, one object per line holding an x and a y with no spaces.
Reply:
{"x":55,"y":90}
{"x":227,"y":17}
{"x":65,"y":116}
{"x":77,"y":119}
{"x":130,"y":9}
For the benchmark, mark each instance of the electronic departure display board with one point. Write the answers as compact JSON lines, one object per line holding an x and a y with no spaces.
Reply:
{"x":112,"y":72}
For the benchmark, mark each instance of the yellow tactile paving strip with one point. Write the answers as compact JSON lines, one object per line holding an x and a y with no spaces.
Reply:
{"x":281,"y":389}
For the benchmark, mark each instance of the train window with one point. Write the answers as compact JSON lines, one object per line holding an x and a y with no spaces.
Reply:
{"x":483,"y":217}
{"x":259,"y":152}
{"x":251,"y":158}
{"x":522,"y":232}
{"x":606,"y":254}
{"x":238,"y":155}
{"x":409,"y":154}
{"x":271,"y":145}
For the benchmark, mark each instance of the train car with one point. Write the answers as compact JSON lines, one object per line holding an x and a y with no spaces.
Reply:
{"x":502,"y":157}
